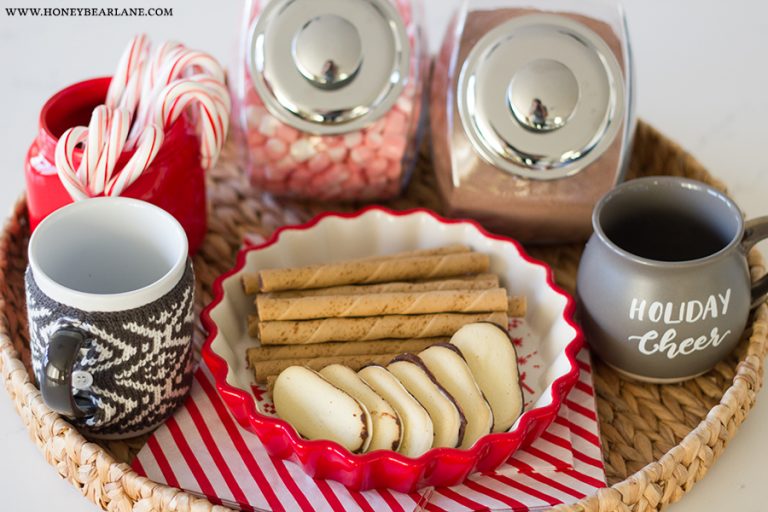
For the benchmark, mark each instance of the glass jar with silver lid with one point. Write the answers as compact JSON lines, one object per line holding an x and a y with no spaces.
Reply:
{"x":532,"y":114}
{"x":329,"y":96}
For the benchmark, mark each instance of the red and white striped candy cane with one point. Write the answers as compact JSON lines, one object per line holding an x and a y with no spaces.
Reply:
{"x":220,"y":95}
{"x":149,"y":144}
{"x":149,"y":87}
{"x":213,"y":116}
{"x":146,"y":95}
{"x":119,"y":126}
{"x":158,"y":59}
{"x":65,"y":168}
{"x":177,"y":62}
{"x":214,"y":86}
{"x":124,"y":90}
{"x":80,"y":187}
{"x":97,"y":130}
{"x":182,"y":62}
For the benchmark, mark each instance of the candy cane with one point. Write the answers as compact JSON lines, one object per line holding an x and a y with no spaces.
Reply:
{"x":131,"y":97}
{"x":183,"y":62}
{"x":179,"y":62}
{"x":65,"y":168}
{"x":78,"y":188}
{"x":149,"y":88}
{"x":149,"y":145}
{"x":220,"y":95}
{"x":93,"y":146}
{"x":149,"y":91}
{"x":119,"y":127}
{"x":159,"y":57}
{"x":213,"y":116}
{"x":215,"y":87}
{"x":125,"y":79}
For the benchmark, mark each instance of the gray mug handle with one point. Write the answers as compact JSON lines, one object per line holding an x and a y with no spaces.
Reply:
{"x":56,"y":381}
{"x":755,"y":231}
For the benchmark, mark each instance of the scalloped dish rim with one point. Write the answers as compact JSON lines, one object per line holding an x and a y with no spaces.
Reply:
{"x":236,"y":396}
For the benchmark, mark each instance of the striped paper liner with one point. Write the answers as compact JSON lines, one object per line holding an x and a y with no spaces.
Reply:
{"x":203,"y":450}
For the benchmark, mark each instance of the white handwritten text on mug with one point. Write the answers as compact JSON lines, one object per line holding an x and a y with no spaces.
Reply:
{"x":670,"y":313}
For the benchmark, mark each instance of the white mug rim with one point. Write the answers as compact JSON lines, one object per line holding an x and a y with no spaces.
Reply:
{"x":109,"y":302}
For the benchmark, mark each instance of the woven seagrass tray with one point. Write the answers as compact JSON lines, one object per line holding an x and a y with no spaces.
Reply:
{"x":658,"y":440}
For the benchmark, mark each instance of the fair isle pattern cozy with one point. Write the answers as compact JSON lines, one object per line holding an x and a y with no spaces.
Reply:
{"x":140,"y":359}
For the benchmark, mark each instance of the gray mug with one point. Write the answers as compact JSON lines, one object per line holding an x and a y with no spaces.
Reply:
{"x":663,"y":287}
{"x":110,"y":301}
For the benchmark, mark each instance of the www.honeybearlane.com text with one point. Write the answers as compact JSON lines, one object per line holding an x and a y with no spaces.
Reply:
{"x":22,"y":12}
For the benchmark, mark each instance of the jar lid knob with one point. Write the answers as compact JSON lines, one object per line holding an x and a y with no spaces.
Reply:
{"x":328,"y":51}
{"x":543,"y":95}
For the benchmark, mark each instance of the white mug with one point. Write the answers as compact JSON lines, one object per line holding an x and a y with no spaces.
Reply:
{"x":110,"y":295}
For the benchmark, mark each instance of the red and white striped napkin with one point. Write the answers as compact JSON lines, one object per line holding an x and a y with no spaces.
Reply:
{"x":203,"y":450}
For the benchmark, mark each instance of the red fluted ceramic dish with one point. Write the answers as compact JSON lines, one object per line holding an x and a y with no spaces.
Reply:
{"x":550,"y":334}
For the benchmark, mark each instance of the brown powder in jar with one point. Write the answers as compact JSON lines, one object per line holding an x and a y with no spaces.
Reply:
{"x":531,"y":210}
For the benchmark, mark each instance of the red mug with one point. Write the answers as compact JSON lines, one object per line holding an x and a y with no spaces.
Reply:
{"x":175,"y":181}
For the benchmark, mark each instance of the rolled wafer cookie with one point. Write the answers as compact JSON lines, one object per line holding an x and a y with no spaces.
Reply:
{"x":373,"y":271}
{"x":295,"y":332}
{"x":346,"y":348}
{"x":253,"y":326}
{"x":251,"y":280}
{"x":473,"y":282}
{"x":263,"y":369}
{"x":445,"y":249}
{"x":404,"y":303}
{"x":518,"y":306}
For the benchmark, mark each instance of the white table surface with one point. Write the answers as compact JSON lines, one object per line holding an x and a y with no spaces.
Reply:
{"x":702,"y":79}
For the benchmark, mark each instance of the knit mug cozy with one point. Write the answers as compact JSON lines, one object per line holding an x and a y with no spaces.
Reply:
{"x":129,"y":368}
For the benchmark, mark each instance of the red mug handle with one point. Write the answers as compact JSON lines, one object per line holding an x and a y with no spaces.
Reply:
{"x":755,"y":231}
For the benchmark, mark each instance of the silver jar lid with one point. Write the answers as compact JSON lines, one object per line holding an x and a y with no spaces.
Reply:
{"x":541,"y":96}
{"x":329,"y":66}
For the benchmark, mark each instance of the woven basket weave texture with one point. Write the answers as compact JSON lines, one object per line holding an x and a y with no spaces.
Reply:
{"x":658,"y":440}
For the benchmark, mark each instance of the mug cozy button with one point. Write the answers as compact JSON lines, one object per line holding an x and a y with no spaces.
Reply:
{"x":81,"y":380}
